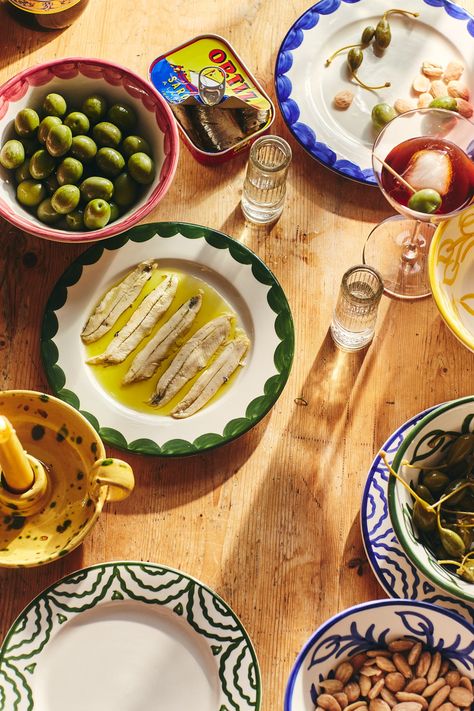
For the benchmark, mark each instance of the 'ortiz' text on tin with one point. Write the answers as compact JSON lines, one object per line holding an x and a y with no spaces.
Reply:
{"x":237,"y":82}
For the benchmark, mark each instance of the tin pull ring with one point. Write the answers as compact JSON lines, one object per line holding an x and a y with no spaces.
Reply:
{"x":211,"y":85}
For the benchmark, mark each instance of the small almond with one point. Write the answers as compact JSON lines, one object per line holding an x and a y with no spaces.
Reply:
{"x":433,"y":70}
{"x":352,"y":691}
{"x":453,"y":678}
{"x":344,"y":672}
{"x":424,"y":664}
{"x":439,"y":698}
{"x":341,"y":699}
{"x":465,"y":108}
{"x":466,"y":682}
{"x":328,"y":702}
{"x":343,"y":99}
{"x":421,"y":83}
{"x":358,"y":660}
{"x":415,"y":654}
{"x":434,"y":687}
{"x":400,"y":645}
{"x":385,"y":664}
{"x":356,"y":705}
{"x":407,"y":706}
{"x":401,"y":106}
{"x":438,"y":89}
{"x":369,"y":671}
{"x":460,"y":696}
{"x":407,"y":696}
{"x":331,"y":686}
{"x":416,"y":686}
{"x":402,"y":666}
{"x":444,"y":667}
{"x":448,"y":706}
{"x":458,"y":90}
{"x":365,"y":685}
{"x":454,"y":70}
{"x":387,"y":696}
{"x":378,"y":705}
{"x":377,"y":688}
{"x":378,"y":653}
{"x":395,"y":681}
{"x":424,"y":100}
{"x":433,"y":671}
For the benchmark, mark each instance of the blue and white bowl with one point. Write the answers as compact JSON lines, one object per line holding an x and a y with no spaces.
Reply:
{"x":373,"y":625}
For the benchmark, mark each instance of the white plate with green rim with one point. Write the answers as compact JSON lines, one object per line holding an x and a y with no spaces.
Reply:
{"x":241,"y":279}
{"x":128,"y":636}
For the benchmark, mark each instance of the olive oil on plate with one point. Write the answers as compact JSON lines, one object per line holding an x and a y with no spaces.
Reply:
{"x":136,"y":396}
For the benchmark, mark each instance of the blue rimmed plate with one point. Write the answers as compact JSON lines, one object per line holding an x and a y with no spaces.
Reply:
{"x":240,"y":277}
{"x":128,"y":636}
{"x":305,"y":87}
{"x":392,"y":568}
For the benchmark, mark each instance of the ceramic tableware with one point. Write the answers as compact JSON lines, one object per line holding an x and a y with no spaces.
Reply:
{"x":451,"y":272}
{"x":372,"y":625}
{"x":342,"y":139}
{"x":76,"y":78}
{"x":78,"y":480}
{"x":236,"y":273}
{"x":418,"y":449}
{"x":128,"y":636}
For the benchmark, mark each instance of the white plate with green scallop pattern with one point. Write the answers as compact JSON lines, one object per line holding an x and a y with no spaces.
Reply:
{"x":128,"y":636}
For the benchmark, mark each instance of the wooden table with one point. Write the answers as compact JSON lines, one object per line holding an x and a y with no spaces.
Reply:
{"x":271,"y":521}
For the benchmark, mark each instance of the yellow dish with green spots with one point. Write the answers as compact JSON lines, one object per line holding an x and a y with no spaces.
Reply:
{"x":78,"y":480}
{"x":451,"y":270}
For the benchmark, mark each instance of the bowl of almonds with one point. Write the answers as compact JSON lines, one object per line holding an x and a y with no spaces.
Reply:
{"x":386,"y":655}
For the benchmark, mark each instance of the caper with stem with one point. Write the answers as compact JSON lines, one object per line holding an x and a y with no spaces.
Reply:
{"x":383,"y":33}
{"x":354,"y":60}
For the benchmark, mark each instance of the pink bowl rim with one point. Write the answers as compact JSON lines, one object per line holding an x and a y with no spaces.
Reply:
{"x":155,"y":197}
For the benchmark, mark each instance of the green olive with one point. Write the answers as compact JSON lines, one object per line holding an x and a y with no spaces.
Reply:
{"x":135,"y":144}
{"x":75,"y":220}
{"x":114,"y":211}
{"x":125,"y":190}
{"x":383,"y":34}
{"x":46,"y":212}
{"x":424,"y":493}
{"x":26,"y":122}
{"x":96,"y":214}
{"x":452,"y":487}
{"x":23,"y":171}
{"x":66,"y":199}
{"x":59,"y":140}
{"x":30,"y":193}
{"x":45,"y":126}
{"x":382,"y":114}
{"x":436,"y":481}
{"x":55,"y":105}
{"x":96,"y":187}
{"x":451,"y":542}
{"x":107,"y":134}
{"x":69,"y":171}
{"x":95,"y":108}
{"x":460,"y":449}
{"x":123,"y":116}
{"x":12,"y":154}
{"x":142,"y":168}
{"x":78,"y":123}
{"x":426,"y":201}
{"x":110,"y":162}
{"x":368,"y":34}
{"x":444,"y":102}
{"x":83,"y":148}
{"x":424,"y":520}
{"x":42,"y":164}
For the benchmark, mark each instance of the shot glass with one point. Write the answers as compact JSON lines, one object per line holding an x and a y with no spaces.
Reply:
{"x":263,"y":195}
{"x":353,"y":322}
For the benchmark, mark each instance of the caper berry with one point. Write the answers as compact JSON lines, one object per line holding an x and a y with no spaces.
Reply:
{"x":383,"y":34}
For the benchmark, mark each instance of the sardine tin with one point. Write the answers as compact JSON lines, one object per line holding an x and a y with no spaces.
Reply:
{"x":175,"y":75}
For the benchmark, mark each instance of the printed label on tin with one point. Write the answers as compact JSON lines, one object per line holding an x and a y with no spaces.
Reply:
{"x":176,"y":75}
{"x":44,"y":7}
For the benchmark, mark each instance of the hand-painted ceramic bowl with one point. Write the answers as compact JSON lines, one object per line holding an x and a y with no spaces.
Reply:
{"x":451,"y":270}
{"x":76,"y":78}
{"x":373,"y":625}
{"x":79,"y":479}
{"x":417,"y":448}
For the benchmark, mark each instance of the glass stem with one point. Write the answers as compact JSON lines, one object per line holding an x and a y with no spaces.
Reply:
{"x":411,"y":246}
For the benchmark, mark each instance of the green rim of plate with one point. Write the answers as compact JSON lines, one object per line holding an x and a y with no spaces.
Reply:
{"x":257,"y":408}
{"x":434,"y":572}
{"x":78,"y":603}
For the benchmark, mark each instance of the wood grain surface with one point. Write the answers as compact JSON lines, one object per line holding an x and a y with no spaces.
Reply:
{"x":271,"y":521}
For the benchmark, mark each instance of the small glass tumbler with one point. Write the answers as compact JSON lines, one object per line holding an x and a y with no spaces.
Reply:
{"x":263,"y":195}
{"x":353,"y":322}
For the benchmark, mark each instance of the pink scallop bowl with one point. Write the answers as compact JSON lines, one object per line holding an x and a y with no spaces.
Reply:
{"x":76,"y":78}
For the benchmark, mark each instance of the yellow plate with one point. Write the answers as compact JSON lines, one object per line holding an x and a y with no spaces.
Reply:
{"x":451,"y":270}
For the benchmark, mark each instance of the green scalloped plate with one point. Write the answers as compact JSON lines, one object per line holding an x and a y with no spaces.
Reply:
{"x":239,"y":276}
{"x":128,"y":636}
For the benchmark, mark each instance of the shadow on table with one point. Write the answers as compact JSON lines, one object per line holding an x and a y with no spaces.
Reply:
{"x":16,"y":40}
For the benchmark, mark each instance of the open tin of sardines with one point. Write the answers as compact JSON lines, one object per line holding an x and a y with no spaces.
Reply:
{"x":213,"y":133}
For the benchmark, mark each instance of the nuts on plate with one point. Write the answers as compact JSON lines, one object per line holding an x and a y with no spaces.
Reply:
{"x":458,"y":89}
{"x":432,"y":69}
{"x":421,"y":84}
{"x":465,"y":108}
{"x":403,"y":105}
{"x":454,"y":70}
{"x":343,"y":99}
{"x":438,"y":88}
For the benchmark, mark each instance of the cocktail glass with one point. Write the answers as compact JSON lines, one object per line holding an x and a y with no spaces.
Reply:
{"x":398,"y":247}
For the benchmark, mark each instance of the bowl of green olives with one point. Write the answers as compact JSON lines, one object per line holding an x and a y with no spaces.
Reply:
{"x":431,"y":497}
{"x":87,"y":149}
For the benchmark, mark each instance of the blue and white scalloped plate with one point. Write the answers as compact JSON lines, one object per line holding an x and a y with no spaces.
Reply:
{"x":128,"y":636}
{"x":342,"y":139}
{"x":392,"y":568}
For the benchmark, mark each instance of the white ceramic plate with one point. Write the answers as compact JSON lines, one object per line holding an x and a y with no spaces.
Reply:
{"x":392,"y":567}
{"x":342,"y":140}
{"x":128,"y":636}
{"x":238,"y":275}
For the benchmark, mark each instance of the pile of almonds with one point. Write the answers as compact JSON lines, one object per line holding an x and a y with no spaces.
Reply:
{"x":437,"y":82}
{"x":403,"y":677}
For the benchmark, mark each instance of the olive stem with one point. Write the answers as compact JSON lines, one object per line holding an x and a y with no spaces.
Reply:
{"x":347,"y":46}
{"x":366,"y":86}
{"x":394,"y":173}
{"x":424,"y":504}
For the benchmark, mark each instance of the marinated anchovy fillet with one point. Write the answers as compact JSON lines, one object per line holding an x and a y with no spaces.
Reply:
{"x":218,"y":127}
{"x":141,"y":323}
{"x":252,"y":120}
{"x":182,"y":114}
{"x":116,"y":300}
{"x":213,"y":378}
{"x":191,"y":358}
{"x":149,"y":358}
